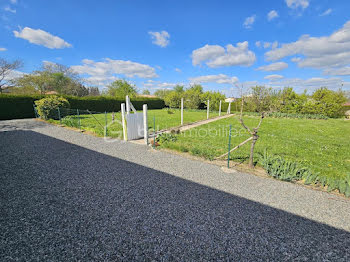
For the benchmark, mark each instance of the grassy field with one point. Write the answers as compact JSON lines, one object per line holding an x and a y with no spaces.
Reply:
{"x":95,"y":123}
{"x":321,"y":145}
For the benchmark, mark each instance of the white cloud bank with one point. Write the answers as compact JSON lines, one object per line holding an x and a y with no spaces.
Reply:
{"x":273,"y":67}
{"x":216,"y":56}
{"x":40,"y":37}
{"x":2,"y":49}
{"x":219,"y":79}
{"x":101,"y":73}
{"x":315,"y":82}
{"x":272,"y":15}
{"x":159,"y":85}
{"x":326,"y":52}
{"x":160,"y":38}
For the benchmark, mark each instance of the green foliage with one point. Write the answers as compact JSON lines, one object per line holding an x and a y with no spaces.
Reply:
{"x":165,"y":138}
{"x":282,"y":169}
{"x":121,"y":88}
{"x":193,"y":97}
{"x":47,"y":107}
{"x":15,"y":107}
{"x":215,"y":98}
{"x":161,"y":93}
{"x":146,"y":92}
{"x":173,"y":99}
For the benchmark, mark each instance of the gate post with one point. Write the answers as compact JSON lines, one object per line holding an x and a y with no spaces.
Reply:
{"x":123,"y":121}
{"x":145,"y":124}
{"x":182,"y":111}
{"x":208,"y":106}
{"x":220,"y":108}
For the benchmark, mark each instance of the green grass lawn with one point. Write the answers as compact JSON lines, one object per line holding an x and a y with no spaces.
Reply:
{"x":321,"y":145}
{"x":95,"y":123}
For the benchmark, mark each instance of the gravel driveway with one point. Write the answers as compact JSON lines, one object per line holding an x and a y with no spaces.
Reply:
{"x":69,"y":196}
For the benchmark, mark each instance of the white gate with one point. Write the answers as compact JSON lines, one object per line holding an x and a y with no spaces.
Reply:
{"x":135,"y":129}
{"x":134,"y":124}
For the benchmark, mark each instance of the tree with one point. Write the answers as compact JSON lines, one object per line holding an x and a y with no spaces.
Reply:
{"x":52,"y":77}
{"x":179,"y":89}
{"x":326,"y":102}
{"x":6,"y":68}
{"x":161,"y":93}
{"x":121,"y":88}
{"x":193,"y":96}
{"x":146,"y":92}
{"x":173,"y":99}
{"x":261,"y":98}
{"x":214,"y":97}
{"x":38,"y":82}
{"x":93,"y":91}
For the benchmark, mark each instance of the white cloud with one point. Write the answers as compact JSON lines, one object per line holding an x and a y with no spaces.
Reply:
{"x":106,"y":71}
{"x":9,"y":9}
{"x":40,"y":37}
{"x":267,"y":44}
{"x":274,"y":67}
{"x":178,"y":70}
{"x":159,"y":85}
{"x":273,"y":77}
{"x":327,"y":12}
{"x":315,"y":82}
{"x":345,"y":71}
{"x":317,"y":52}
{"x":216,"y":56}
{"x":274,"y":45}
{"x":272,"y":14}
{"x":2,"y":49}
{"x":219,"y":79}
{"x":294,"y":4}
{"x":258,"y":44}
{"x":160,"y":38}
{"x":249,"y":21}
{"x":13,"y":1}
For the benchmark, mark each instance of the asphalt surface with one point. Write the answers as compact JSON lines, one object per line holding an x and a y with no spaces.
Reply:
{"x":67,"y":196}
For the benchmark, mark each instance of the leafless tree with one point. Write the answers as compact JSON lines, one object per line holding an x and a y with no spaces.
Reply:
{"x":6,"y":67}
{"x":253,"y":132}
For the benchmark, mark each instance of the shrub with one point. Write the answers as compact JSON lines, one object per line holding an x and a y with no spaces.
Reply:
{"x":47,"y":107}
{"x":165,"y":137}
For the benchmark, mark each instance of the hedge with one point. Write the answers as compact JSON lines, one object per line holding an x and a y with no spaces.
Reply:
{"x":21,"y":106}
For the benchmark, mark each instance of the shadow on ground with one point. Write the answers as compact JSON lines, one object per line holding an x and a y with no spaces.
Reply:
{"x":62,"y":202}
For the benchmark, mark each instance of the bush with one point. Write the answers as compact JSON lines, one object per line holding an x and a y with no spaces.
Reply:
{"x":47,"y":107}
{"x":21,"y":106}
{"x":17,"y":106}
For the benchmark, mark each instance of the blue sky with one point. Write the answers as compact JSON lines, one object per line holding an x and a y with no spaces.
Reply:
{"x":157,"y":44}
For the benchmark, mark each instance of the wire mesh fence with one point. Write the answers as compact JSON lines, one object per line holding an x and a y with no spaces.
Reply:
{"x":99,"y":123}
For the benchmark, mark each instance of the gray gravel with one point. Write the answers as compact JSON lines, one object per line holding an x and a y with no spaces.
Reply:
{"x":69,"y":196}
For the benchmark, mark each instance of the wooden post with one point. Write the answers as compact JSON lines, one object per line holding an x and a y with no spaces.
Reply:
{"x":229,"y":108}
{"x":182,"y":111}
{"x":208,"y":107}
{"x":220,"y":108}
{"x":123,"y":121}
{"x":145,"y":124}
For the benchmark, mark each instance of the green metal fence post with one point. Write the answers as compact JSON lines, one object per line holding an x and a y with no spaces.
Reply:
{"x":59,"y":115}
{"x":229,"y":148}
{"x":106,"y":131}
{"x":79,"y":119}
{"x":154,"y":130}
